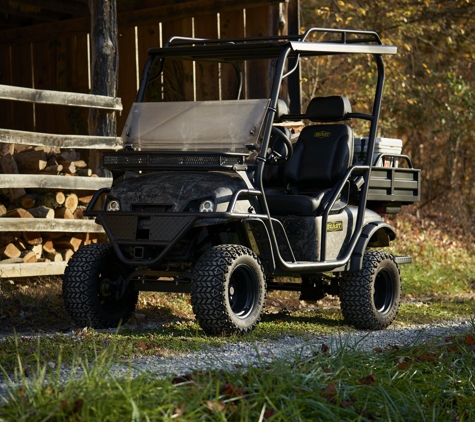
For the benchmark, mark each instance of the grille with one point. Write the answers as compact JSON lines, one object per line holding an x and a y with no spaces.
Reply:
{"x":125,"y":159}
{"x":151,"y":208}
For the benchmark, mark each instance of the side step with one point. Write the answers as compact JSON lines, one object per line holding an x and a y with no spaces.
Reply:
{"x":400,"y":260}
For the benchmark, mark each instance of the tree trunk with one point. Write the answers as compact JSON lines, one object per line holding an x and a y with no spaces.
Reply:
{"x":105,"y":61}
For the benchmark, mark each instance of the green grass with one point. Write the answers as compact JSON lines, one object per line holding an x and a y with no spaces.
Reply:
{"x":425,"y":382}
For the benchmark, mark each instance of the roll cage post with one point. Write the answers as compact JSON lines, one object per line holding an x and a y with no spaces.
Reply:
{"x":322,"y":265}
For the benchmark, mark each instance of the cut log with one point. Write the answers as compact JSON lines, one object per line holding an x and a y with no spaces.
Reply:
{"x":42,"y":212}
{"x":84,"y":196}
{"x":18,"y":213}
{"x":31,"y":161}
{"x":48,"y":246}
{"x":9,"y":166}
{"x":38,"y":250}
{"x":53,"y":256}
{"x":66,"y":254}
{"x":9,"y":237}
{"x":80,"y":164}
{"x":33,"y":238}
{"x":53,"y":235}
{"x":69,"y":168}
{"x":63,"y":212}
{"x":68,"y":156}
{"x":79,"y":212}
{"x":3,"y":209}
{"x":71,"y":202}
{"x":6,"y":148}
{"x":52,"y":169}
{"x":53,"y":199}
{"x":10,"y":251}
{"x":72,"y":242}
{"x":29,"y":200}
{"x":84,"y":172}
{"x":29,"y":256}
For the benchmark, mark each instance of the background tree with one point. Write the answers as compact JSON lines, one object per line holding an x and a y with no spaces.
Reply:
{"x":429,"y":93}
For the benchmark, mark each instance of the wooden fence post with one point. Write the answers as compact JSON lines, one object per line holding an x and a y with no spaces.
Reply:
{"x":104,"y":74}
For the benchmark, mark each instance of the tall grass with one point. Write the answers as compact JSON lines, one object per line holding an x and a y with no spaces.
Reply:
{"x":424,"y":382}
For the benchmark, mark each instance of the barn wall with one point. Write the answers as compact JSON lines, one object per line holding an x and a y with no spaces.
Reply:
{"x":61,"y":63}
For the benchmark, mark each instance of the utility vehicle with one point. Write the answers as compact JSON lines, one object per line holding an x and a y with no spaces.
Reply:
{"x":220,"y":200}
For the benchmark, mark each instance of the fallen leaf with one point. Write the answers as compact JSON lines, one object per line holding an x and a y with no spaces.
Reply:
{"x":142,"y":345}
{"x":369,"y":380}
{"x":231,"y":390}
{"x":329,"y":393}
{"x":268,"y":413}
{"x":469,"y":339}
{"x":215,"y":406}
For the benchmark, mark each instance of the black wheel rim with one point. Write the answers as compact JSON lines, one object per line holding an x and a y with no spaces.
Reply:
{"x":383,"y":296}
{"x":110,"y":283}
{"x":242,"y":291}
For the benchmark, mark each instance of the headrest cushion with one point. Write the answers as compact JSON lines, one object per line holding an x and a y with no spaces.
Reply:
{"x":328,"y":109}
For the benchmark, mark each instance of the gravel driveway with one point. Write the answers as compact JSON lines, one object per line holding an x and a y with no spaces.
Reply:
{"x":289,"y":347}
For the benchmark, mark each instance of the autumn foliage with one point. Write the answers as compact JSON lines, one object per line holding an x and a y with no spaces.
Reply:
{"x":429,"y":93}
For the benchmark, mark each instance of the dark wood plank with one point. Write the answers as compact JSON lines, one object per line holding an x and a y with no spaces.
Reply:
{"x":21,"y":68}
{"x":163,"y":13}
{"x":6,"y":116}
{"x":127,"y":88}
{"x":207,"y":74}
{"x":178,"y":82}
{"x":258,"y":24}
{"x":231,"y":26}
{"x":78,"y":82}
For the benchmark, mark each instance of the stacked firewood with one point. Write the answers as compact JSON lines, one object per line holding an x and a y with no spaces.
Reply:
{"x":17,"y":247}
{"x":28,"y":247}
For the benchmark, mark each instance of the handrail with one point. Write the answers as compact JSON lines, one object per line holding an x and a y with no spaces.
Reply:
{"x":42,"y":96}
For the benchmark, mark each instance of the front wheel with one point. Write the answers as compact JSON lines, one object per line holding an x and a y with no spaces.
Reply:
{"x":228,"y":290}
{"x":370,"y":297}
{"x":93,"y":288}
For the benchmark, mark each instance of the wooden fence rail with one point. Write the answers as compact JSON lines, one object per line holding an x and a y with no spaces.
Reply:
{"x":48,"y":182}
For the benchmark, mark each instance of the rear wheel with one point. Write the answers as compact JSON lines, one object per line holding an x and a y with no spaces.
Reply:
{"x":228,"y":290}
{"x":370,"y":298}
{"x":93,"y":288}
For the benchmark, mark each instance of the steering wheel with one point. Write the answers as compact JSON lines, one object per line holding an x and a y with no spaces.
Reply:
{"x":280,"y":147}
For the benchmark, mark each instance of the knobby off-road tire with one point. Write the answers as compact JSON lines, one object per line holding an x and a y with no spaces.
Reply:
{"x":228,"y":290}
{"x":90,"y":282}
{"x":370,"y":298}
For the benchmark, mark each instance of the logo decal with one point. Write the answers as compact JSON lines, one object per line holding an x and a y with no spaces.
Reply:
{"x":322,"y":134}
{"x":335,"y":226}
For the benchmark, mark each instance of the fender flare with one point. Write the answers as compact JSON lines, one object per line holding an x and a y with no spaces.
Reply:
{"x":263,"y":243}
{"x":376,"y":233}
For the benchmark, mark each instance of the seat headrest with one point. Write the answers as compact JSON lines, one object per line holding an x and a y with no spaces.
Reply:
{"x":281,"y":110}
{"x":328,"y":109}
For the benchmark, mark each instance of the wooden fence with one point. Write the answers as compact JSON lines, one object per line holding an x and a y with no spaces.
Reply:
{"x":48,"y":182}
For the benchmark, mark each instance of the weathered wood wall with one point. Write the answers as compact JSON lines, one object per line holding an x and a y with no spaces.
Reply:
{"x":61,"y":63}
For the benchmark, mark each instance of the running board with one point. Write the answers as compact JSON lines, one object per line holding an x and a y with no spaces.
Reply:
{"x":400,"y":260}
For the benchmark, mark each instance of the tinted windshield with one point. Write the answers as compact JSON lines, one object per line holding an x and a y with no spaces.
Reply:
{"x":225,"y":126}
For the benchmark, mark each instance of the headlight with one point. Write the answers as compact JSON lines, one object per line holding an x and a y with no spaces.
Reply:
{"x":207,"y":206}
{"x":113,"y":205}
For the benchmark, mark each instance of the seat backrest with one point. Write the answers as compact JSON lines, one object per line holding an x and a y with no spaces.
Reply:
{"x":274,"y":174}
{"x":322,"y":153}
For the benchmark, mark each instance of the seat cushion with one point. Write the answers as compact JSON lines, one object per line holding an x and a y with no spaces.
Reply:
{"x":281,"y":203}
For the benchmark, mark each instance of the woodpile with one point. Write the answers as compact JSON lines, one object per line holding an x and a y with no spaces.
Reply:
{"x":44,"y":203}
